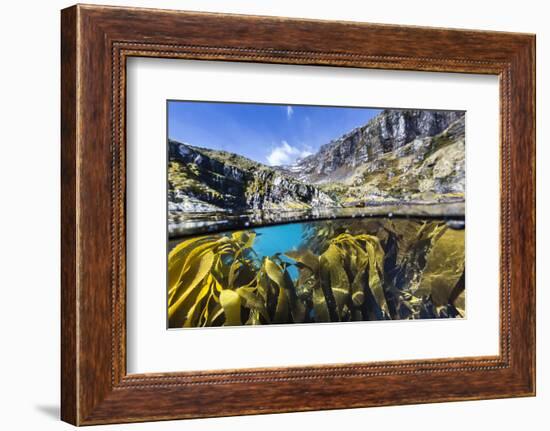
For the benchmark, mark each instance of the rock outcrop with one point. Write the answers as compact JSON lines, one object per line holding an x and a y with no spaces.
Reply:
{"x":426,"y":169}
{"x":387,"y":132}
{"x":206,"y":180}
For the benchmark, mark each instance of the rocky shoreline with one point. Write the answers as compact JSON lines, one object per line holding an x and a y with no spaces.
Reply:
{"x":213,"y":222}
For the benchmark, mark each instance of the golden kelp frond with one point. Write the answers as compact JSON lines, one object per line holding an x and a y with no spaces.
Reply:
{"x":338,"y":280}
{"x":443,"y":276}
{"x":217,"y":280}
{"x":199,"y":269}
{"x":364,"y":257}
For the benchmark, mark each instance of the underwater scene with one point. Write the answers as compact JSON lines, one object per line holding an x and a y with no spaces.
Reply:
{"x":288,"y":214}
{"x":322,"y":271}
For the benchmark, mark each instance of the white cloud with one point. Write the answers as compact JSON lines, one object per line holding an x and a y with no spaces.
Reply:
{"x":285,"y":154}
{"x":289,"y":112}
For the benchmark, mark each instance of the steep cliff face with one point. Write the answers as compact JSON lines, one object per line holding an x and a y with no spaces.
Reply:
{"x":425,"y":169}
{"x":204,"y":180}
{"x":387,"y":132}
{"x":198,"y":182}
{"x":271,"y":189}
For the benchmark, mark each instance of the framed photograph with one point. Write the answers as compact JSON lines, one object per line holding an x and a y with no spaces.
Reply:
{"x":367,"y":226}
{"x":329,"y":214}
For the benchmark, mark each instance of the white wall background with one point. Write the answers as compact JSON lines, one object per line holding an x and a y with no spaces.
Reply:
{"x":29,"y":214}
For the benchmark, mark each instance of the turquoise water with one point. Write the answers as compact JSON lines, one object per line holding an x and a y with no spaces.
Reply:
{"x":271,"y":240}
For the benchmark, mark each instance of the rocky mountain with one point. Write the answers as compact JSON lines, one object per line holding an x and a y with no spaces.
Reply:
{"x":400,"y":155}
{"x":387,"y":132}
{"x":203,"y":180}
{"x":425,"y":169}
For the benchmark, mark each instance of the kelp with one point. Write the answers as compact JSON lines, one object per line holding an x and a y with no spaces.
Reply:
{"x":338,"y":279}
{"x":346,"y":271}
{"x":199,"y":270}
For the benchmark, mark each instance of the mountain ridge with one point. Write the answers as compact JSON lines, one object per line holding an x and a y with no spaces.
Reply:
{"x":388,"y":131}
{"x":211,"y":180}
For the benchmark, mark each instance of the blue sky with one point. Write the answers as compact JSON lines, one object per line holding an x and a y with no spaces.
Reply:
{"x":270,"y":134}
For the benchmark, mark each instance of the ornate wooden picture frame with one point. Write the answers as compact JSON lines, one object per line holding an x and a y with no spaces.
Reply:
{"x":96,"y":41}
